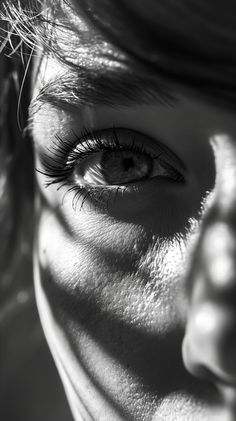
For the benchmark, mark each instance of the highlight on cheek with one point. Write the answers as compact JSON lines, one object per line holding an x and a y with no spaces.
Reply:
{"x":99,"y":165}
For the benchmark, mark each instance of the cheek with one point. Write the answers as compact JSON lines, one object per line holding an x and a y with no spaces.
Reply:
{"x":119,"y":267}
{"x":114,"y":299}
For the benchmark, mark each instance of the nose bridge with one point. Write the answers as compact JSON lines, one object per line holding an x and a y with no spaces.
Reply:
{"x":209,"y":347}
{"x":224,"y":149}
{"x":217,"y":244}
{"x":214,"y":259}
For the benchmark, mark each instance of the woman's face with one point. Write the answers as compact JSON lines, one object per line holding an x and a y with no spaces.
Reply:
{"x":131,"y":316}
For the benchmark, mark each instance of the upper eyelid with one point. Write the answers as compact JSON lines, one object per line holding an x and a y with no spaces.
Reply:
{"x":62,"y":147}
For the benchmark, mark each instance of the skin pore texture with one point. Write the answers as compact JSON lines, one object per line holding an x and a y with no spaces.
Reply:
{"x":116,"y":285}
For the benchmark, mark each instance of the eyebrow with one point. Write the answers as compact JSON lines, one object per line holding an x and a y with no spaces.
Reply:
{"x":115,"y":87}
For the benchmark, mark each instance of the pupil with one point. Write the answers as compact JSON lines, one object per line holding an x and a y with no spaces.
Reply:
{"x":122,"y":167}
{"x":128,"y":163}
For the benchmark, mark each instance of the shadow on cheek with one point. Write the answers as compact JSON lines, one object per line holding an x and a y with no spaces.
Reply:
{"x":154,"y":359}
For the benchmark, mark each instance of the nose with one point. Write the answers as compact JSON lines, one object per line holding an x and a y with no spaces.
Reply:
{"x":209,"y":346}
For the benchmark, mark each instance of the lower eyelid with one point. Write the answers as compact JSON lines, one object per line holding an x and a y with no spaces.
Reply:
{"x":128,"y":197}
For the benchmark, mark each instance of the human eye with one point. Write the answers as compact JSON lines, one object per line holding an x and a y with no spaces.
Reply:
{"x":104,"y":165}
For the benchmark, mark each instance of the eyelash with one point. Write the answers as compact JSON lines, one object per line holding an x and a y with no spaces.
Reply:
{"x":66,"y":152}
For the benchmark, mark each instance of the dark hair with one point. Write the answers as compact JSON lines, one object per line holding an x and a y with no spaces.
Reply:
{"x":16,"y":179}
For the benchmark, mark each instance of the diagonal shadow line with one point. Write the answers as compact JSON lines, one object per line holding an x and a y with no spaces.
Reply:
{"x":156,"y":361}
{"x":122,"y":413}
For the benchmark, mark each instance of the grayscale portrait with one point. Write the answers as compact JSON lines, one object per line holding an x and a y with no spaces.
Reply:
{"x":117,"y":210}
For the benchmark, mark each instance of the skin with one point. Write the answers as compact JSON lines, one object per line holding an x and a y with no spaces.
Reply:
{"x":139,"y":317}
